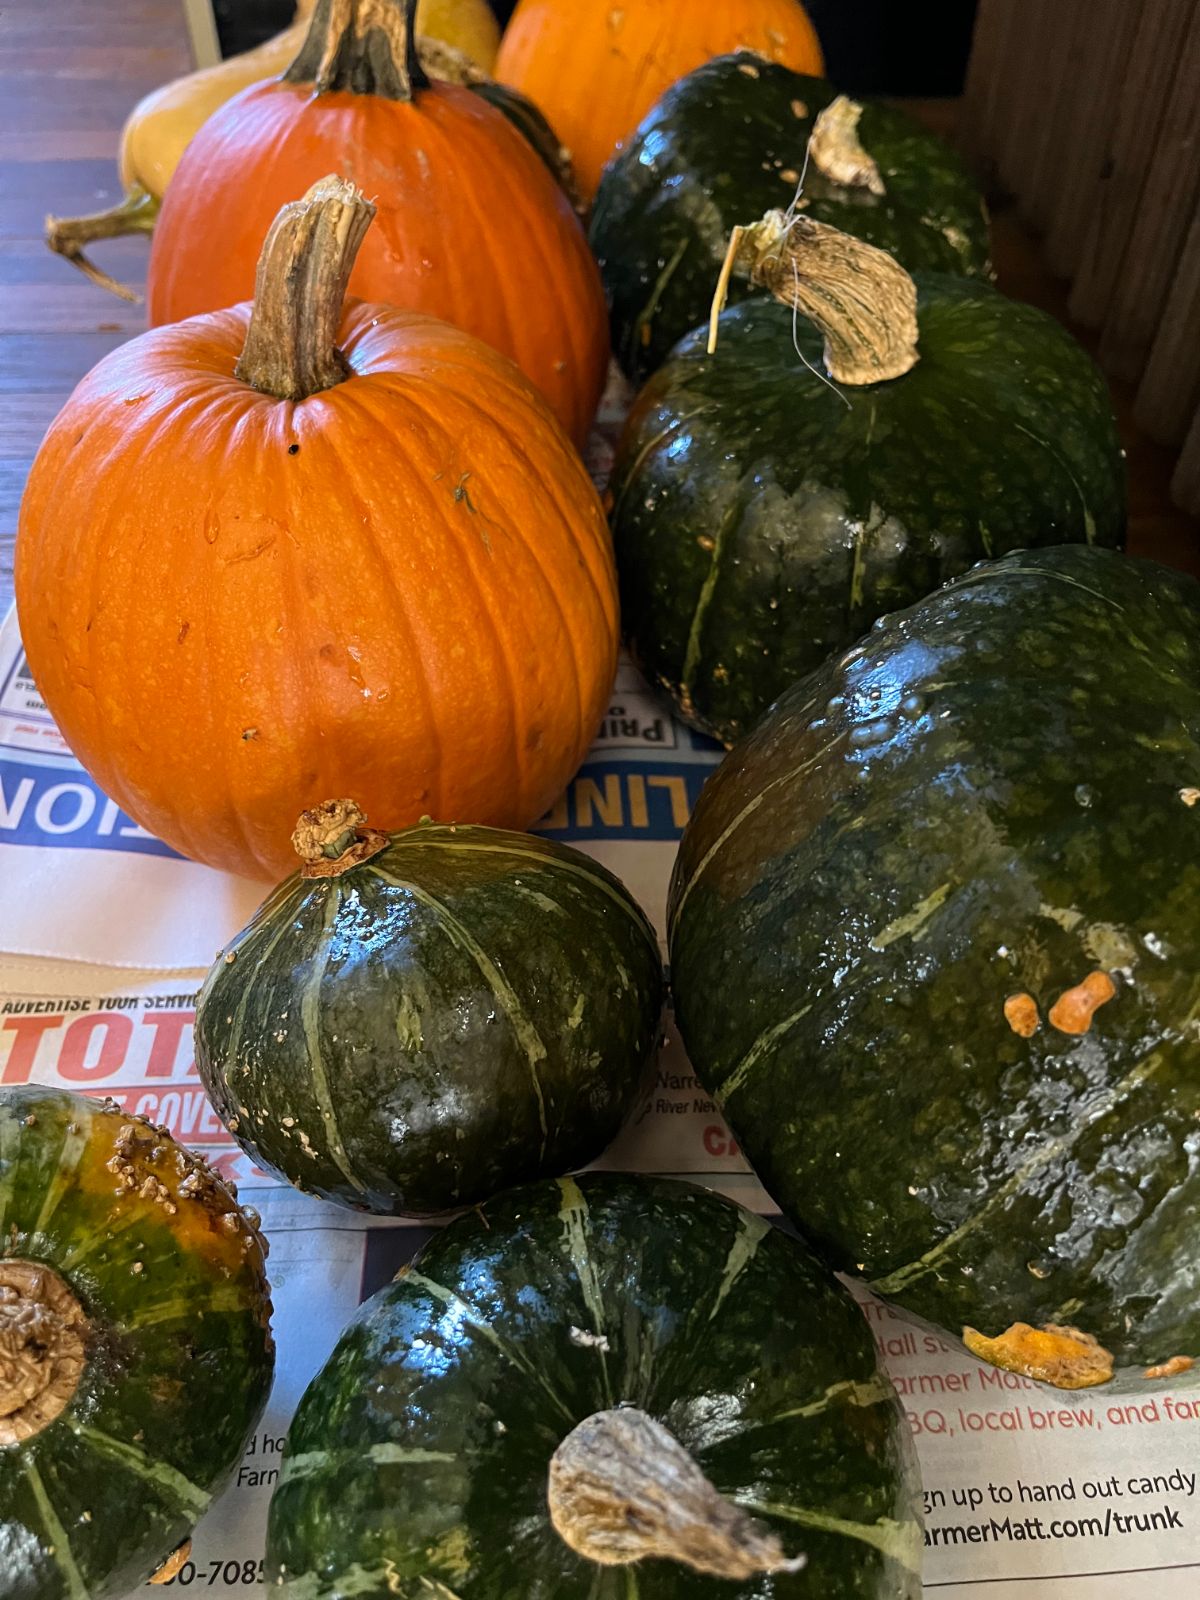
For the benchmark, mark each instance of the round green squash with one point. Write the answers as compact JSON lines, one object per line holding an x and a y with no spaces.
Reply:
{"x":729,"y":141}
{"x":935,"y":945}
{"x":410,"y":1023}
{"x":570,"y":1393}
{"x":764,"y":518}
{"x":135,"y":1344}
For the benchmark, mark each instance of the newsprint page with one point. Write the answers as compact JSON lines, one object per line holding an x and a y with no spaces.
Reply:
{"x":105,"y":936}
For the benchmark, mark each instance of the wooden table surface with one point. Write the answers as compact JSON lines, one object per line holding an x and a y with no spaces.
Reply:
{"x":69,"y":72}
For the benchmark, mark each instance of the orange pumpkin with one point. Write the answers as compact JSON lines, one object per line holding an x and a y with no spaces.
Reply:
{"x":280,"y":552}
{"x":595,"y":67}
{"x":471,"y":225}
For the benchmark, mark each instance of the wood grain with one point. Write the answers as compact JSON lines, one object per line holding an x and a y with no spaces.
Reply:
{"x":65,"y":86}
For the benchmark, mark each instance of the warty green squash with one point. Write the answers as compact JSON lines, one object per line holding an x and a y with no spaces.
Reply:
{"x":732,"y":140}
{"x":135,"y":1344}
{"x":412,"y":1022}
{"x":764,"y":516}
{"x":935,"y":949}
{"x":594,"y":1389}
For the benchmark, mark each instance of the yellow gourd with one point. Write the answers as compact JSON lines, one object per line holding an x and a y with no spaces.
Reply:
{"x":160,"y":126}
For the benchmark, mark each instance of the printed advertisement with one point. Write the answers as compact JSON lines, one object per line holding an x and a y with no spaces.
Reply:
{"x":105,"y":937}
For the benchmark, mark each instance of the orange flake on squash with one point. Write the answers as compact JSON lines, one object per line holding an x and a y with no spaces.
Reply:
{"x":1021,"y":1014}
{"x":1072,"y":1012}
{"x":1063,"y":1356}
{"x":1171,"y":1368}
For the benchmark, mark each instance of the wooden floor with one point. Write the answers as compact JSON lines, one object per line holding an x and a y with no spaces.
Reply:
{"x":69,"y":72}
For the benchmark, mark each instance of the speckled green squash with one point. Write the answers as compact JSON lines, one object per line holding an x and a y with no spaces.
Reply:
{"x":472,"y":1008}
{"x":995,"y":794}
{"x":764,"y":519}
{"x":724,"y":145}
{"x":129,"y":1277}
{"x":417,"y":1462}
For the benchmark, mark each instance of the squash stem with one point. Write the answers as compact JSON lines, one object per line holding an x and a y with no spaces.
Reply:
{"x":42,"y":1348}
{"x":291,"y":347}
{"x":333,"y":837}
{"x":69,"y":236}
{"x":363,"y":46}
{"x":622,"y":1488}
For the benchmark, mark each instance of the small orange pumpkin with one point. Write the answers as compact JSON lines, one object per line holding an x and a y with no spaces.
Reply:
{"x":595,"y":67}
{"x":471,"y":225}
{"x":281,"y":552}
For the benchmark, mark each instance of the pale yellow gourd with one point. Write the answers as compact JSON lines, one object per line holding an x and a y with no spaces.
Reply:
{"x":160,"y":126}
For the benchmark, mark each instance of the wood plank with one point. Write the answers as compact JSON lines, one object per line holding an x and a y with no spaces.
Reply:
{"x":51,"y":362}
{"x":1185,"y":486}
{"x":1169,"y":394}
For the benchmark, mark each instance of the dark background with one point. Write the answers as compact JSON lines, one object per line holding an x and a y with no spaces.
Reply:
{"x":871,"y":46}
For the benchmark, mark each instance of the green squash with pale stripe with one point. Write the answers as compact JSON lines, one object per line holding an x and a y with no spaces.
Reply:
{"x":467,"y":1009}
{"x":421,"y":1460}
{"x":135,"y":1345}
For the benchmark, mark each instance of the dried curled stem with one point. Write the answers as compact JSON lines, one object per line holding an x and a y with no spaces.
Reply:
{"x":42,"y":1348}
{"x":836,"y":150}
{"x":622,"y":1488}
{"x":333,"y":837}
{"x":137,"y":212}
{"x":860,"y":297}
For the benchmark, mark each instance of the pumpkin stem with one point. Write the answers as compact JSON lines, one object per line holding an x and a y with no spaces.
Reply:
{"x":67,"y":236}
{"x":42,"y":1333}
{"x":860,"y":297}
{"x":364,"y":46}
{"x":291,"y":344}
{"x":836,"y":150}
{"x":622,"y":1488}
{"x":333,"y":837}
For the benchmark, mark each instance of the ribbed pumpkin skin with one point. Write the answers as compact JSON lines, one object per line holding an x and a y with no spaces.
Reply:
{"x":471,"y":227}
{"x":417,"y":607}
{"x":179,"y":1353}
{"x":727,"y":144}
{"x":417,"y":1461}
{"x":468,"y":1010}
{"x":764,"y":519}
{"x":992,"y":794}
{"x":596,"y":67}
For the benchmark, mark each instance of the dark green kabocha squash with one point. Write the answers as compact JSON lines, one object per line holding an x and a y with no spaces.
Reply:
{"x":730,"y":141}
{"x":135,"y":1345}
{"x":594,"y":1389}
{"x":765,"y":517}
{"x":935,"y":944}
{"x":410,"y":1023}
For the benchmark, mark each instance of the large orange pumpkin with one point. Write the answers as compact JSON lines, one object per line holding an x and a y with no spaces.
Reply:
{"x":595,"y":67}
{"x":256,"y":568}
{"x":471,"y":225}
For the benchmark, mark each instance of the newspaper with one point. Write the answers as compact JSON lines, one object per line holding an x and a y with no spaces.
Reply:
{"x":105,"y":936}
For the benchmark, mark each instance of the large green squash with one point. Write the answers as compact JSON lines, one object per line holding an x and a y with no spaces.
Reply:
{"x":764,"y":517}
{"x":935,"y":943}
{"x":464,"y":1427}
{"x":135,"y":1345}
{"x":411,"y":1023}
{"x":729,"y":141}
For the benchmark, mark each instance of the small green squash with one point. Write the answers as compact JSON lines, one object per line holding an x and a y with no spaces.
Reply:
{"x":935,"y":946}
{"x":764,"y":517}
{"x":590,"y":1372}
{"x":731,"y":140}
{"x":410,"y":1023}
{"x":135,"y":1345}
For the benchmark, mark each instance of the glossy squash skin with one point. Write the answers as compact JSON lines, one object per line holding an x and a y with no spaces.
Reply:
{"x":728,"y":143}
{"x":467,"y":1010}
{"x":987,"y":802}
{"x":417,"y":1462}
{"x":177,"y":1360}
{"x":764,"y":519}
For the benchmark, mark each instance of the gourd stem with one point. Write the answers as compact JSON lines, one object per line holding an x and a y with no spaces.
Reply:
{"x":622,"y":1488}
{"x":68,"y":236}
{"x":333,"y":837}
{"x":364,"y":46}
{"x":291,"y":344}
{"x":860,"y":297}
{"x":42,"y":1348}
